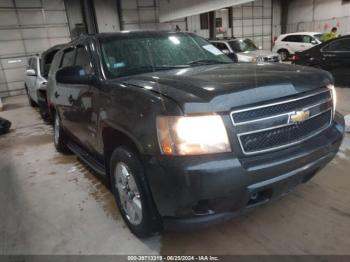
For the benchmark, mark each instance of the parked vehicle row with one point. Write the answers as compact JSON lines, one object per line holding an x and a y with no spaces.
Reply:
{"x":182,"y":134}
{"x":245,"y":51}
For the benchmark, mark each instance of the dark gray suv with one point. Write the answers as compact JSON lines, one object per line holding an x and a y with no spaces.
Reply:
{"x":183,"y":135}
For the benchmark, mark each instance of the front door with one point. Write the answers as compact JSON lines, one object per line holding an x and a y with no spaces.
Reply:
{"x":336,"y":59}
{"x":81,"y":111}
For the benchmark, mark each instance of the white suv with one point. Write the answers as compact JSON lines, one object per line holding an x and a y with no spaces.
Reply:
{"x":288,"y":44}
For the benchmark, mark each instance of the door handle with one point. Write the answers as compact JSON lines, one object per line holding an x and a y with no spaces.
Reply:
{"x":329,"y":55}
{"x":70,"y":99}
{"x":56,"y":95}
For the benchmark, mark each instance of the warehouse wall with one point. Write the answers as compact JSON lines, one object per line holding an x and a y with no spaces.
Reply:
{"x":107,"y":15}
{"x":75,"y":17}
{"x":259,"y":21}
{"x":319,"y":15}
{"x":144,"y":14}
{"x":27,"y":27}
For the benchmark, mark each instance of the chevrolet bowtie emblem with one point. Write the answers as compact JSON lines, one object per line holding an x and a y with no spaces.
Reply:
{"x":300,"y":116}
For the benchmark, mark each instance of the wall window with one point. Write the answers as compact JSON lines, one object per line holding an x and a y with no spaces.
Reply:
{"x":218,"y":22}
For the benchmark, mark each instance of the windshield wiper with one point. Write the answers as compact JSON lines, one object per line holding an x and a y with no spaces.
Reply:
{"x":207,"y":62}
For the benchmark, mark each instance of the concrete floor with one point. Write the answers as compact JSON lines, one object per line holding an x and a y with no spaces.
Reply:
{"x":51,"y":204}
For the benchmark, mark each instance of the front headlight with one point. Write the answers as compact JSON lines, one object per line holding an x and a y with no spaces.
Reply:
{"x":192,"y":135}
{"x":334,"y":97}
{"x":246,"y":59}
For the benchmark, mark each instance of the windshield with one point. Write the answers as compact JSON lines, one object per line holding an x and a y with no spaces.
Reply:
{"x":132,"y":54}
{"x":246,"y":45}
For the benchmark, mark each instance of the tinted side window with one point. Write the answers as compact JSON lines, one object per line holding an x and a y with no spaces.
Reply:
{"x":342,"y":45}
{"x":68,"y":58}
{"x":307,"y":39}
{"x":293,"y":38}
{"x":83,"y":59}
{"x":46,"y":62}
{"x":221,"y":46}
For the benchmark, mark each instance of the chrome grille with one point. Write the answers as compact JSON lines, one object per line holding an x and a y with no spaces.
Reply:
{"x":270,"y":127}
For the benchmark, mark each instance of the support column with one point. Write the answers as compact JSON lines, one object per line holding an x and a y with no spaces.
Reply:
{"x":212,"y":25}
{"x":284,"y":15}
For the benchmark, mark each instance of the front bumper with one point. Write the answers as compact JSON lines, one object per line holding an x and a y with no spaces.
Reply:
{"x":202,"y":190}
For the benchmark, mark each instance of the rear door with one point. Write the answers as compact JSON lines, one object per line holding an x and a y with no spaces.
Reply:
{"x":293,"y":43}
{"x":62,"y":92}
{"x":335,"y":58}
{"x":307,"y":42}
{"x":80,"y":112}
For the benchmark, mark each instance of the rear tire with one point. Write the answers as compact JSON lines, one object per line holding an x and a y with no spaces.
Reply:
{"x":60,"y":138}
{"x":131,"y":193}
{"x":284,"y":54}
{"x":43,"y":106}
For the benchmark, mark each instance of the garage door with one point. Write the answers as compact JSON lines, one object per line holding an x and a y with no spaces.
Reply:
{"x":144,"y":15}
{"x":254,"y":21}
{"x":27,"y":27}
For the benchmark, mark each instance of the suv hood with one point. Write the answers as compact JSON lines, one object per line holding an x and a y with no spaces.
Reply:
{"x":219,"y":88}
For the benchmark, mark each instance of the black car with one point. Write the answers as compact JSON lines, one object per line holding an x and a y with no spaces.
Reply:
{"x":184,"y":136}
{"x":333,"y":56}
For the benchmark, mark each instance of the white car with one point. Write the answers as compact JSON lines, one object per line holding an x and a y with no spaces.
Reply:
{"x":286,"y":45}
{"x":34,"y":81}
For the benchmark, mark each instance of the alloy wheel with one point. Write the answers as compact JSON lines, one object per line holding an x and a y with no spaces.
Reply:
{"x":129,"y":193}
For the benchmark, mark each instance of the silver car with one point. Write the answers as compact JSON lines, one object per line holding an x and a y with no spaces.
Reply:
{"x":245,"y":50}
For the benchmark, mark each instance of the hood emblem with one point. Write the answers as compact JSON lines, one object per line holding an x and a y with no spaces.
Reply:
{"x":300,"y":116}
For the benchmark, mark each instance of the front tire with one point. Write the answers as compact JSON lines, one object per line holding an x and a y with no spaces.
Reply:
{"x":43,"y":106}
{"x":60,"y":139}
{"x":131,"y":193}
{"x":284,"y":54}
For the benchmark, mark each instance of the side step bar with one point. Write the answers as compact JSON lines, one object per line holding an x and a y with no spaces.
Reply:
{"x":90,"y":161}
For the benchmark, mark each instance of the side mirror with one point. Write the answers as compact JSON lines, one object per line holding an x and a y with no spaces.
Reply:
{"x":74,"y":75}
{"x":313,"y":42}
{"x":226,"y":51}
{"x":30,"y":72}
